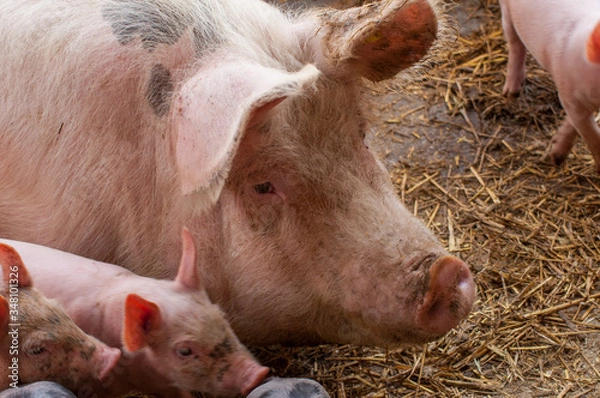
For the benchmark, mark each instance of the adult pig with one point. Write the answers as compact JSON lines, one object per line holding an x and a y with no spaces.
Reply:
{"x":174,"y":340}
{"x":39,"y":341}
{"x":564,"y":37}
{"x":123,"y":120}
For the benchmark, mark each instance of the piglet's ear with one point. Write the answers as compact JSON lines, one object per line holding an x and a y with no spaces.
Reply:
{"x":377,"y":40}
{"x":142,"y":317}
{"x":13,"y":267}
{"x":188,"y":272}
{"x":593,"y":46}
{"x":213,"y":109}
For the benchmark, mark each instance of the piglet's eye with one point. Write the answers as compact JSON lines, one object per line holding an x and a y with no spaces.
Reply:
{"x":265,"y":187}
{"x":184,"y":352}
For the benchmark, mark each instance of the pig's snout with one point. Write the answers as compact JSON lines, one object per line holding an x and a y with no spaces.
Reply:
{"x":449,"y":296}
{"x":108,"y":357}
{"x":246,"y":375}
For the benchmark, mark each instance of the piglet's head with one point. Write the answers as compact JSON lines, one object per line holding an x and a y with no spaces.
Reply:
{"x":51,"y":346}
{"x":188,"y":339}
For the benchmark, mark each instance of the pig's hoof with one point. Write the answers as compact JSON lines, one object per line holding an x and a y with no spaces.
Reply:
{"x":39,"y":389}
{"x":558,"y":158}
{"x":289,"y":388}
{"x":511,"y":93}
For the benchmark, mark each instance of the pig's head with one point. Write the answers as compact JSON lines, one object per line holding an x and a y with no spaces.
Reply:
{"x":307,"y":240}
{"x":189,"y":340}
{"x":50,"y":345}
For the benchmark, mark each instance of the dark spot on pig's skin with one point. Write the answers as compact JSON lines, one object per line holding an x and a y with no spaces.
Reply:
{"x":160,"y":89}
{"x":153,"y":25}
{"x":222,"y":349}
{"x":205,"y":39}
{"x":222,"y":371}
{"x":87,"y":354}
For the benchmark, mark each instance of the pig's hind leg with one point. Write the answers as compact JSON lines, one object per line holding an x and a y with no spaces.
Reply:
{"x":562,"y":142}
{"x":517,"y":55}
{"x":589,"y":131}
{"x":580,"y":119}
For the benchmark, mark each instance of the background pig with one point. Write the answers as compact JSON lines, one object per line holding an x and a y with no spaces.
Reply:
{"x":123,"y":120}
{"x":564,"y":37}
{"x":39,"y":389}
{"x":174,"y":340}
{"x":43,"y":339}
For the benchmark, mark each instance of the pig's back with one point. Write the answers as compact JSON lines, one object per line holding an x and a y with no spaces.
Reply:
{"x":82,"y":92}
{"x":553,"y":30}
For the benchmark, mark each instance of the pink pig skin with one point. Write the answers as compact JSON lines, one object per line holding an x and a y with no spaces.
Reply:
{"x":564,"y":37}
{"x":155,"y":322}
{"x":45,"y":342}
{"x":121,"y":121}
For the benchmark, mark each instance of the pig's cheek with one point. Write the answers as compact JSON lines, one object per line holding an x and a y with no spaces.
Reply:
{"x":39,"y":365}
{"x":263,"y":213}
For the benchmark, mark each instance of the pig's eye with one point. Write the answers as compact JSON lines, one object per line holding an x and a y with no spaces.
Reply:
{"x":37,"y":350}
{"x":184,"y":352}
{"x":265,"y":187}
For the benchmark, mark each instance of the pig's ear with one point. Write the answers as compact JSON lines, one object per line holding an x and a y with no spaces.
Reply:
{"x":213,"y":109}
{"x":142,"y":317}
{"x":13,"y":267}
{"x":188,"y":272}
{"x":376,"y":40}
{"x":593,"y":46}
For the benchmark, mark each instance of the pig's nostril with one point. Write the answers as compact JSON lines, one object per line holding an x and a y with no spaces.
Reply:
{"x":419,"y":262}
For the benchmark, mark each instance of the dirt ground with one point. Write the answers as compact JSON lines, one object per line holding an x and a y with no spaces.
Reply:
{"x":473,"y":165}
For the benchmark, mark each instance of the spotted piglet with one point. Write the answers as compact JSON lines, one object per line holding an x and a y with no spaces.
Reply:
{"x":175,"y":341}
{"x":38,"y":341}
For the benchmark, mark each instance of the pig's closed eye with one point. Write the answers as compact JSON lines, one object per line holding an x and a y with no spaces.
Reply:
{"x":265,"y":187}
{"x":184,"y":352}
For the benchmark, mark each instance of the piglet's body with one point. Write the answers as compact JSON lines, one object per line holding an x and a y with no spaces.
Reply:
{"x":564,"y":37}
{"x":38,"y":341}
{"x":175,"y":340}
